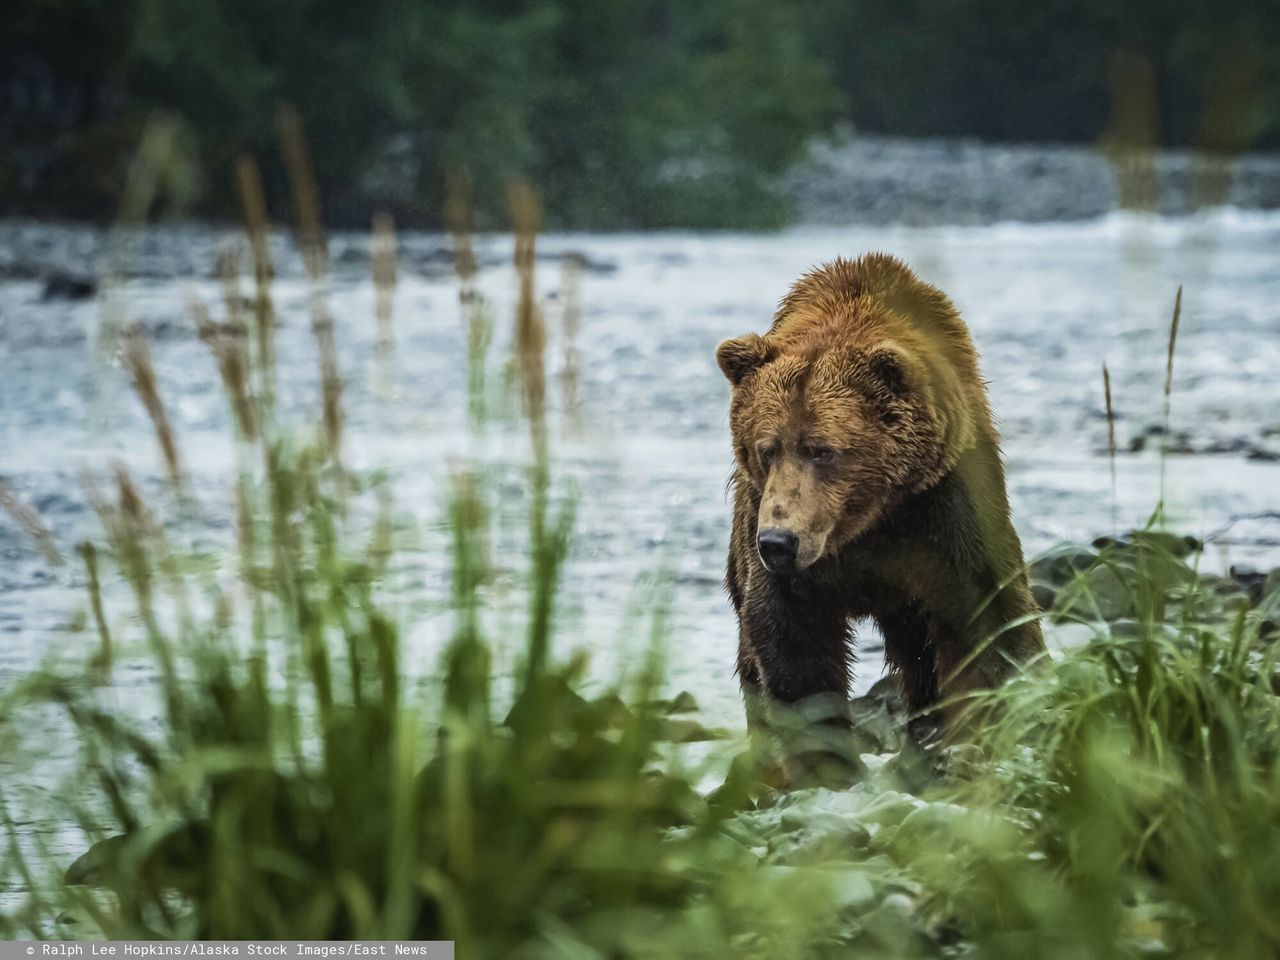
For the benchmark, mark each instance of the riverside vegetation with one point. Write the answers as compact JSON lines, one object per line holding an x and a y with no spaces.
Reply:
{"x":634,"y":113}
{"x":295,"y":779}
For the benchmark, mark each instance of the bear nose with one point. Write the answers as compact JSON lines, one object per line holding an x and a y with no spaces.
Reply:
{"x":778,"y":549}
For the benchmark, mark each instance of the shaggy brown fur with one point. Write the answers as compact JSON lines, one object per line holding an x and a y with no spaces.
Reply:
{"x":867,"y":455}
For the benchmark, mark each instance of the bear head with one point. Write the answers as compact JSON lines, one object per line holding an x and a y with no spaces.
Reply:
{"x":830,"y":434}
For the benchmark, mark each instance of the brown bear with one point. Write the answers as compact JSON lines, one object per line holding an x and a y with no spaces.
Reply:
{"x":868,"y":483}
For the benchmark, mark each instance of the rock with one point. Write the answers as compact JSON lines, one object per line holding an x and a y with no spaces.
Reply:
{"x":683,"y":702}
{"x":1126,"y":628}
{"x":1176,"y":544}
{"x":350,"y":256}
{"x":1271,"y":586}
{"x":1252,"y":581}
{"x":814,"y":836}
{"x":1185,"y":545}
{"x":66,"y":286}
{"x":963,"y":761}
{"x":174,"y":859}
{"x":583,"y":262}
{"x":879,"y":717}
{"x":1182,"y":442}
{"x":91,"y":868}
{"x":912,"y":769}
{"x":853,"y":886}
{"x":435,"y":257}
{"x":930,"y":826}
{"x":1060,"y":567}
{"x":1225,"y":445}
{"x":690,"y":731}
{"x":1100,"y":593}
{"x":1044,"y":595}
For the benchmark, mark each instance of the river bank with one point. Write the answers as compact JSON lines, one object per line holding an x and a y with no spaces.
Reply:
{"x":886,"y":180}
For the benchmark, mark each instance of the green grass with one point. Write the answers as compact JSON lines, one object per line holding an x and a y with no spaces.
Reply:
{"x":301,"y":784}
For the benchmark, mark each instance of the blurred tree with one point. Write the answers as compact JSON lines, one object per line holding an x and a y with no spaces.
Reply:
{"x":999,"y":69}
{"x":624,"y":113}
{"x":636,"y":112}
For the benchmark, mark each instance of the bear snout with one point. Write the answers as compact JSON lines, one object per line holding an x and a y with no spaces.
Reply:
{"x":778,"y":549}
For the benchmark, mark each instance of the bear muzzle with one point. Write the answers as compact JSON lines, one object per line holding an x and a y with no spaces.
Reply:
{"x":778,"y":549}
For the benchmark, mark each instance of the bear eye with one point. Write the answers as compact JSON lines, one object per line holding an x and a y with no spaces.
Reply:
{"x":823,"y":456}
{"x":766,"y":453}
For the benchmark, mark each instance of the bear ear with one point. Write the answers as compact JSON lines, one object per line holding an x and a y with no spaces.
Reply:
{"x":888,"y":377}
{"x":888,"y":364}
{"x":743,"y":355}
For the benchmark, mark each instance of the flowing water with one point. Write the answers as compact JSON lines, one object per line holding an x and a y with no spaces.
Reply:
{"x":1047,"y":304}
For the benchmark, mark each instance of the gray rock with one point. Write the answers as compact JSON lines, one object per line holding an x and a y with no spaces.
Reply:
{"x":1044,"y":595}
{"x":1251,"y":581}
{"x":1100,"y":593}
{"x":1160,"y":541}
{"x":1060,"y":567}
{"x":67,"y":286}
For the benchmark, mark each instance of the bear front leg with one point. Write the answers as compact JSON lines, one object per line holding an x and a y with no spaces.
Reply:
{"x":753,"y":692}
{"x":769,"y":766}
{"x":1002,"y":640}
{"x":798,"y":634}
{"x":909,"y":652}
{"x":969,"y":662}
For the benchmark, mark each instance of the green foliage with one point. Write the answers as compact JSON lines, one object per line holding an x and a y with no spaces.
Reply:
{"x":1142,"y":778}
{"x":630,"y":113}
{"x":681,"y":113}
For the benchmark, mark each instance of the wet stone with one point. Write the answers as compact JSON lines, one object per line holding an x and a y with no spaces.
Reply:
{"x":1059,"y":568}
{"x":1177,"y":545}
{"x":1252,"y":581}
{"x":66,"y":286}
{"x":1044,"y":595}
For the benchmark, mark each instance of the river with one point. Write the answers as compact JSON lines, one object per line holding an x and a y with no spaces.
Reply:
{"x":1048,"y":305}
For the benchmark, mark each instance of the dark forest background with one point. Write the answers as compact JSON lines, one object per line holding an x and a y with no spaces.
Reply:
{"x":637,"y":113}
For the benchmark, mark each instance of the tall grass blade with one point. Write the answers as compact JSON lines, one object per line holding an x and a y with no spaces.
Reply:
{"x":1173,"y":342}
{"x":383,"y":250}
{"x":136,"y":356}
{"x":314,"y":247}
{"x":254,"y":206}
{"x":570,"y":319}
{"x":1111,"y":444}
{"x":29,"y":521}
{"x":1168,"y":390}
